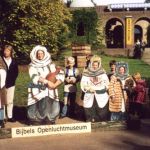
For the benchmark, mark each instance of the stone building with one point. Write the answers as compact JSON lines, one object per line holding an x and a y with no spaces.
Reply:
{"x":123,"y":24}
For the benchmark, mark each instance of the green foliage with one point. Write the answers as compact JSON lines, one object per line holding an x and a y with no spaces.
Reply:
{"x":6,"y":25}
{"x":93,"y":34}
{"x":43,"y":22}
{"x":21,"y":90}
{"x":35,"y":22}
{"x":79,"y":40}
{"x":98,"y":43}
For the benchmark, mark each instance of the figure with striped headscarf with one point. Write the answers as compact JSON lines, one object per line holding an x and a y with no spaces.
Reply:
{"x":94,"y":83}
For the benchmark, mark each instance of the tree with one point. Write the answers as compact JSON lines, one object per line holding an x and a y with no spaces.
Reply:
{"x":99,"y":43}
{"x":6,"y":25}
{"x":93,"y":32}
{"x":39,"y":22}
{"x":88,"y":19}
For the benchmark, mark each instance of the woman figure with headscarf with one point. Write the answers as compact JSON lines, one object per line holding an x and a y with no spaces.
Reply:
{"x":120,"y":87}
{"x":43,"y":101}
{"x":94,"y":84}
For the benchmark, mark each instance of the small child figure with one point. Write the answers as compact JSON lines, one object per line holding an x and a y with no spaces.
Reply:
{"x":88,"y":57}
{"x":71,"y":78}
{"x":140,"y":92}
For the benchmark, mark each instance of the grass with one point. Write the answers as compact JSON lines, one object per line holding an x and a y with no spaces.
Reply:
{"x":21,"y":92}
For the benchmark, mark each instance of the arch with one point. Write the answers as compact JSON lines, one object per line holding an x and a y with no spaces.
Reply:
{"x":142,"y":18}
{"x":141,"y":25}
{"x":114,"y":31}
{"x":138,"y":32}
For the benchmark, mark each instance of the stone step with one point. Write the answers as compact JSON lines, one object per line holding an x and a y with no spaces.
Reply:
{"x":146,"y":59}
{"x":146,"y":55}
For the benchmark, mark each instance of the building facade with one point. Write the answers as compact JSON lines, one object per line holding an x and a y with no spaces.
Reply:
{"x":123,"y":24}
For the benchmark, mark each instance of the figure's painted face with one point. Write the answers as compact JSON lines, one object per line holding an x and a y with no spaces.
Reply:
{"x":40,"y":55}
{"x":95,"y":65}
{"x":71,"y":64}
{"x":122,"y":70}
{"x":70,"y":61}
{"x":137,"y":76}
{"x":113,"y":68}
{"x":7,"y":52}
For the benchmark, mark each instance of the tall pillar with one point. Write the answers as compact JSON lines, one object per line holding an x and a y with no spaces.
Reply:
{"x":129,"y":32}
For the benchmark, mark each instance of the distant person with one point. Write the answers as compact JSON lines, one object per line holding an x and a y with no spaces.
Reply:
{"x":94,"y":83}
{"x":137,"y":50}
{"x":2,"y":92}
{"x":143,"y":48}
{"x":143,"y":45}
{"x":70,"y":88}
{"x":43,"y":101}
{"x":88,"y":57}
{"x":112,"y":65}
{"x":12,"y":74}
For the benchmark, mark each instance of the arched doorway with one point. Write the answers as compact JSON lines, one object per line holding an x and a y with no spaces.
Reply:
{"x":118,"y":36}
{"x":138,"y":32}
{"x":141,"y":30}
{"x":80,"y":29}
{"x":114,"y":33}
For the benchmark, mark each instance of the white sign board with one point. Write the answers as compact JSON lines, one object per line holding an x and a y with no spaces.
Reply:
{"x":51,"y":129}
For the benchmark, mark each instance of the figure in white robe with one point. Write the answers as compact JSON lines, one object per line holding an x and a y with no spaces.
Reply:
{"x":94,"y":84}
{"x":43,"y":101}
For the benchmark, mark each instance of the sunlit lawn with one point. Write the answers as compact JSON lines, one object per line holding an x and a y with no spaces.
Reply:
{"x":21,"y":92}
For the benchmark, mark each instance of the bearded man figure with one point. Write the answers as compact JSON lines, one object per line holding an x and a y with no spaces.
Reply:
{"x":43,"y":101}
{"x":94,"y":84}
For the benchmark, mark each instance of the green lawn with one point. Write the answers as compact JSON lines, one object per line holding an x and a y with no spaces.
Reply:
{"x":23,"y":79}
